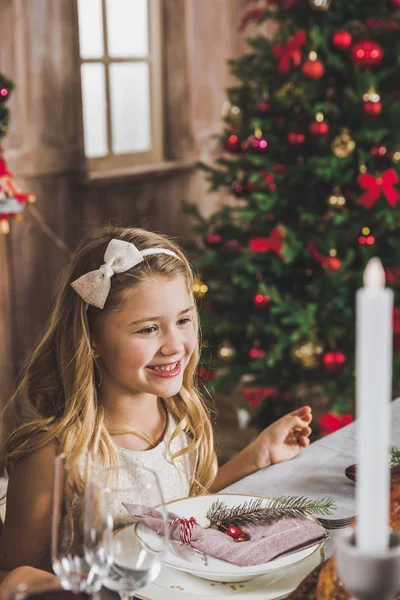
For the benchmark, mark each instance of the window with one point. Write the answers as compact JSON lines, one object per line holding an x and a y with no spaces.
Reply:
{"x":121,"y":75}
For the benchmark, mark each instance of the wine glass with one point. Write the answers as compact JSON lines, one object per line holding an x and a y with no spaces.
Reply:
{"x":137,"y":553}
{"x":81,"y":526}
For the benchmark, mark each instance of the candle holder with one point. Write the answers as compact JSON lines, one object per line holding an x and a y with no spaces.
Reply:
{"x":368,"y":577}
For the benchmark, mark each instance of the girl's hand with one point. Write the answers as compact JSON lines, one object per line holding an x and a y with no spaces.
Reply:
{"x":284,"y":439}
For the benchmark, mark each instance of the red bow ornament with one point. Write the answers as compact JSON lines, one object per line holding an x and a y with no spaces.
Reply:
{"x":375,"y":186}
{"x":273,"y":243}
{"x":290,"y":53}
{"x":326,"y":262}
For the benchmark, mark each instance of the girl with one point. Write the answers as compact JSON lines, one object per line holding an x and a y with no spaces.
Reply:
{"x":114,"y":373}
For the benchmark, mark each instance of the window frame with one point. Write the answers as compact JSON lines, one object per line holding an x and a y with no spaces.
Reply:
{"x":156,"y":153}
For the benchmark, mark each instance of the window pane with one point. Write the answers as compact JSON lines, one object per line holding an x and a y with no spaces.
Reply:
{"x":127,"y":28}
{"x":90,"y":28}
{"x":94,"y":109}
{"x":130,"y":107}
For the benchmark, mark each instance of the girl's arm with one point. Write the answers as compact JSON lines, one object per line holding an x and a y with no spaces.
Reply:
{"x":281,"y":441}
{"x":25,"y":539}
{"x":240,"y":466}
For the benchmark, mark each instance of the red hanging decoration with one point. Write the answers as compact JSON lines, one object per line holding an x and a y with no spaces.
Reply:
{"x":372,"y":108}
{"x":333,"y":361}
{"x":264,"y":106}
{"x":12,"y":199}
{"x":289,"y":54}
{"x":268,"y":178}
{"x":232,"y":144}
{"x":367,"y":54}
{"x":326,"y":262}
{"x":375,"y":186}
{"x":313,"y":69}
{"x":319,"y":128}
{"x":342,"y":40}
{"x":261,"y":300}
{"x":213,"y":239}
{"x":254,"y":396}
{"x":256,"y":353}
{"x":273,"y":243}
{"x":296,"y":139}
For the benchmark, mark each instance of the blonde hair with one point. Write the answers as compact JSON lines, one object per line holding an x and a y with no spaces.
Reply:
{"x":57,"y":398}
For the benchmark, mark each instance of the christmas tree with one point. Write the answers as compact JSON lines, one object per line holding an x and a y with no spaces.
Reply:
{"x":12,"y":199}
{"x":6,"y":87}
{"x":310,"y":158}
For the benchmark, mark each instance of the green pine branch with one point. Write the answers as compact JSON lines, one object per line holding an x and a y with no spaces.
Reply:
{"x":260,"y":510}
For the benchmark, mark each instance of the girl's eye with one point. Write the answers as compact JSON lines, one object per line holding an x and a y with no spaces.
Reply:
{"x":148,"y":329}
{"x":184,"y":320}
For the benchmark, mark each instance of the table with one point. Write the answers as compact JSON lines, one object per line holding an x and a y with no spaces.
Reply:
{"x":317,"y":472}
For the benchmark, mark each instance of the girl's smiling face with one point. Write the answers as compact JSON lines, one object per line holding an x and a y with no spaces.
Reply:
{"x":145,"y":346}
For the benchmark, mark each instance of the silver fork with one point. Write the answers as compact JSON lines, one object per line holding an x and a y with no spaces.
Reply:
{"x":336,"y":523}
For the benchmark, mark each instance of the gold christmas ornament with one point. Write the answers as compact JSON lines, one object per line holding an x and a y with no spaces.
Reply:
{"x":307,"y":354}
{"x":337,"y":200}
{"x":200,"y":289}
{"x":396,"y":156}
{"x":226,"y":351}
{"x":343,"y":145}
{"x":231,"y":113}
{"x":320,"y":5}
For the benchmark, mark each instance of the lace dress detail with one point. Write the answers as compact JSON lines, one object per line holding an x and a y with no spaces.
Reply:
{"x":175,"y":479}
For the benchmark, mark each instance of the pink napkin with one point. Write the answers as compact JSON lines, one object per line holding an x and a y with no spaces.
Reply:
{"x":266,"y":542}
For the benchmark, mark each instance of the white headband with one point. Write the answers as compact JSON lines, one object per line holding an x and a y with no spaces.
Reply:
{"x":119,"y":257}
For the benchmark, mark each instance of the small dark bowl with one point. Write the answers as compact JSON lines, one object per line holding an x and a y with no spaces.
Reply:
{"x":351,"y":472}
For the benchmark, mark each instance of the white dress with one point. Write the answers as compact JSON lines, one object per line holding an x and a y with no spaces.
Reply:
{"x":175,"y":479}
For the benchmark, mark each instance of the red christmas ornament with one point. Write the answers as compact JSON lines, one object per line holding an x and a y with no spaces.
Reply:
{"x":238,"y":188}
{"x":395,"y":3}
{"x":256,"y":144}
{"x":342,"y":40}
{"x":372,"y":108}
{"x":319,"y":128}
{"x":264,"y":106}
{"x":326,"y":262}
{"x":232,"y":144}
{"x":379,"y":151}
{"x":213,"y":239}
{"x":367,"y":54}
{"x":256,"y":353}
{"x":333,"y":361}
{"x":375,"y":186}
{"x":313,"y":69}
{"x":233,"y":245}
{"x":332,"y":421}
{"x":237,"y":534}
{"x":261,"y":300}
{"x":268,"y":178}
{"x":296,"y":139}
{"x":4,"y":93}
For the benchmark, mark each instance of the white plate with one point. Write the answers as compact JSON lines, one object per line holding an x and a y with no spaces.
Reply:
{"x":174,"y":585}
{"x":183,"y":558}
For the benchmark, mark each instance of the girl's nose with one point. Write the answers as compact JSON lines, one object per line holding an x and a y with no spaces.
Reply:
{"x":172,"y":345}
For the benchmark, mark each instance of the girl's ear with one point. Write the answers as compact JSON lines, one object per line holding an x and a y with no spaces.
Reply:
{"x":94,"y":349}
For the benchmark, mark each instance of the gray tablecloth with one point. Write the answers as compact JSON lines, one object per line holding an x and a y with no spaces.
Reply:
{"x":317,"y":472}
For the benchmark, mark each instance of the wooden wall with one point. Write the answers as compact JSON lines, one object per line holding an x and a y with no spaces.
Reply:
{"x":39,"y":51}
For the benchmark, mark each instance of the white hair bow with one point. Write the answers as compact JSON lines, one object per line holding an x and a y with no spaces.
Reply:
{"x":119,"y":257}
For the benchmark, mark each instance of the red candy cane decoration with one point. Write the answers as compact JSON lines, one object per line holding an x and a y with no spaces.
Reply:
{"x":185,"y":534}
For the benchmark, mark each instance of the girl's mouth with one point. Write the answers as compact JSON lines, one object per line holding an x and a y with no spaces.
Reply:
{"x":170,"y":370}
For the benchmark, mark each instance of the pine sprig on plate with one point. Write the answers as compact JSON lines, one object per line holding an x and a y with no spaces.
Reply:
{"x":260,"y":510}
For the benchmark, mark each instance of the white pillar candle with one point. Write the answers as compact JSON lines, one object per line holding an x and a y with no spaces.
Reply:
{"x":374,"y":306}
